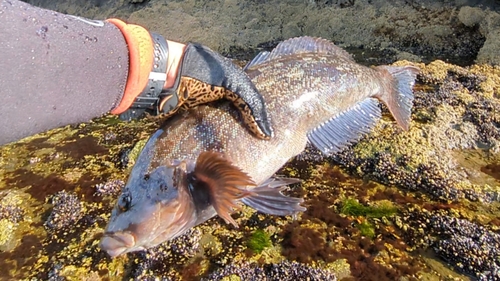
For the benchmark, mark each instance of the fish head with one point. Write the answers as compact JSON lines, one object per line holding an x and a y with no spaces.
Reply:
{"x":146,"y":215}
{"x":153,"y":207}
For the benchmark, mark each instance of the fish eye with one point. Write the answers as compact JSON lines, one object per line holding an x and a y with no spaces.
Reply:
{"x":124,"y":202}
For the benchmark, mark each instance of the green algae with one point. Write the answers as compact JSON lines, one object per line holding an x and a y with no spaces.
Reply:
{"x":259,"y":240}
{"x":366,"y":229}
{"x":352,"y":207}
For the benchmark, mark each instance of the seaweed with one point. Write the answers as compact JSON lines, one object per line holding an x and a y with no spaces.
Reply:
{"x":366,"y":229}
{"x":259,"y":240}
{"x":352,"y":207}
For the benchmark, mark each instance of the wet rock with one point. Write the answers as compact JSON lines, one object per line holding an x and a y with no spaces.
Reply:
{"x":334,"y":3}
{"x":453,"y":112}
{"x":483,"y":114}
{"x":489,"y":51}
{"x":428,"y":29}
{"x":471,"y":16}
{"x":456,"y":109}
{"x":488,"y":22}
{"x":161,"y":261}
{"x":427,"y":178}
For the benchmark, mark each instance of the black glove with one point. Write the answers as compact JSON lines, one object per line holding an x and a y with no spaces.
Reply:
{"x":206,"y":76}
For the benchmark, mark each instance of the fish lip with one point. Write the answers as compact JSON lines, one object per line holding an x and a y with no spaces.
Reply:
{"x":117,"y":243}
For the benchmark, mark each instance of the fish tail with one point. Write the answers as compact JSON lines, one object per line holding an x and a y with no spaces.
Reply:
{"x":399,"y":96}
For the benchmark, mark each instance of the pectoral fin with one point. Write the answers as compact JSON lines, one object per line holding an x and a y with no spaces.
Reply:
{"x":224,"y":183}
{"x":267,"y":198}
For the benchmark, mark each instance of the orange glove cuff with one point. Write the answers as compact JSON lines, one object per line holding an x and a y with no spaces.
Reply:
{"x":140,"y":49}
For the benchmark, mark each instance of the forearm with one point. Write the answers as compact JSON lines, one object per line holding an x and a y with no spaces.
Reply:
{"x":56,"y":69}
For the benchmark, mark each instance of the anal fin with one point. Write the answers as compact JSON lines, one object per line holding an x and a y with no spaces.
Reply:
{"x":345,"y":128}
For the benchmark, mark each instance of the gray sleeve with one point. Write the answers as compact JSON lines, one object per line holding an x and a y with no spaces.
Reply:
{"x":56,"y":69}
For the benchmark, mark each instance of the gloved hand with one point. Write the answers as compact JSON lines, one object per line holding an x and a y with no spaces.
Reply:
{"x":202,"y":76}
{"x":206,"y":76}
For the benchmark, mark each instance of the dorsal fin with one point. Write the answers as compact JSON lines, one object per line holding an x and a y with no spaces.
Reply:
{"x":222,"y":181}
{"x":299,"y":45}
{"x":307,"y":44}
{"x":259,"y":58}
{"x":345,"y":128}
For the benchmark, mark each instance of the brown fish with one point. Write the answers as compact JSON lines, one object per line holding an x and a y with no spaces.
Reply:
{"x":204,"y":162}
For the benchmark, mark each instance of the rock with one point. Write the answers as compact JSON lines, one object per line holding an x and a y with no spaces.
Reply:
{"x":470,"y":16}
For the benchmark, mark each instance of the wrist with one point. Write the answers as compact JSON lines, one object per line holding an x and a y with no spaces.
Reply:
{"x":175,"y":53}
{"x":154,"y":65}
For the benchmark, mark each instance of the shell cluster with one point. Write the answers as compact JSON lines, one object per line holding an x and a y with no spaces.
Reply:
{"x":162,"y":260}
{"x":67,"y":210}
{"x":469,"y":247}
{"x":111,"y":187}
{"x":283,"y":271}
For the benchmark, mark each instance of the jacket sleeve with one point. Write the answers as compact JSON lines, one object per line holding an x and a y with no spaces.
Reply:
{"x":56,"y":69}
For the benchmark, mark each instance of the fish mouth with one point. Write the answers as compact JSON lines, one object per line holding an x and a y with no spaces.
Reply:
{"x":117,"y":243}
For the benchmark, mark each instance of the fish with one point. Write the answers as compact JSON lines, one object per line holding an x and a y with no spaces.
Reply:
{"x":204,"y":162}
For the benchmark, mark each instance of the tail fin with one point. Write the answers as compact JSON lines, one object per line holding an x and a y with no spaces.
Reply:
{"x":399,"y":99}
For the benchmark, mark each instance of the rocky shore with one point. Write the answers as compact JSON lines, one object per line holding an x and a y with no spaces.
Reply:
{"x":416,"y":205}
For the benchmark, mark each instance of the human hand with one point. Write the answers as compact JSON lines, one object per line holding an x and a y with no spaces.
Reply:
{"x":163,"y":79}
{"x":206,"y":76}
